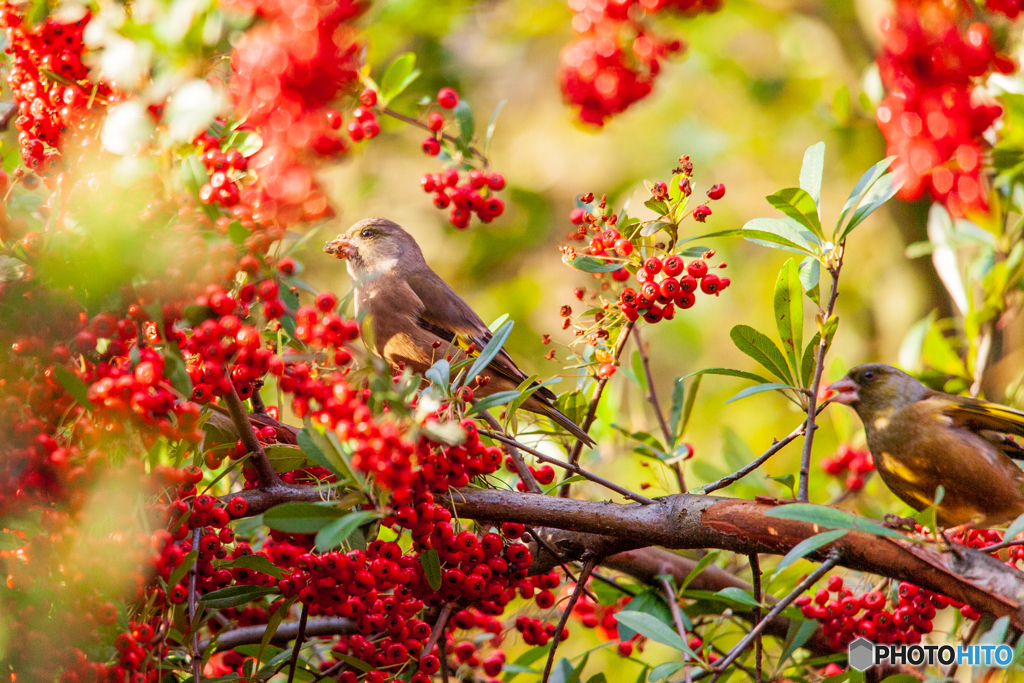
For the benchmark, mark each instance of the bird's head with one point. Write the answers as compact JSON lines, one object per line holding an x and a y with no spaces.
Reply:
{"x":373,"y":247}
{"x":874,"y":388}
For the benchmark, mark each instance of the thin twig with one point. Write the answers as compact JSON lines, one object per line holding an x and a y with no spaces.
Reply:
{"x":419,"y":124}
{"x":298,"y":642}
{"x":558,"y":558}
{"x":760,"y":460}
{"x":810,"y":425}
{"x":517,"y":459}
{"x":258,"y":407}
{"x":327,"y":673}
{"x":442,"y":648}
{"x":1001,"y":546}
{"x":613,"y":583}
{"x":652,"y":395}
{"x":264,"y":469}
{"x":572,"y":467}
{"x":588,"y":566}
{"x":197,"y":659}
{"x":673,"y":606}
{"x":437,"y":633}
{"x":574,"y":454}
{"x":755,"y":573}
{"x":782,"y":604}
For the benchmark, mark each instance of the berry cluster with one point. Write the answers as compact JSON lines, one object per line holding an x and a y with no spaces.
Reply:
{"x":933,"y":117}
{"x":845,"y":616}
{"x":853,"y":462}
{"x":616,"y":59}
{"x":666,"y":284}
{"x":49,"y":83}
{"x":1009,"y":8}
{"x":474,"y":195}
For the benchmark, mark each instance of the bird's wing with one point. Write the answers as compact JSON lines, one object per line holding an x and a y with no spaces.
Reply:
{"x":989,"y":420}
{"x":446,"y":315}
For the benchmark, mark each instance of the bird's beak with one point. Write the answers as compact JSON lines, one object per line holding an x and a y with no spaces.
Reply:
{"x":845,"y":391}
{"x":340,"y":247}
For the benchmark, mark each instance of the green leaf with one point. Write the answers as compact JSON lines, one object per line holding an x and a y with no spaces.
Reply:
{"x":491,"y":125}
{"x":881,"y":192}
{"x":247,"y":142}
{"x":337,"y":531}
{"x":758,"y":389}
{"x":865,"y":183}
{"x":318,"y":449}
{"x":490,"y":351}
{"x":701,"y":566}
{"x":648,"y":602}
{"x":571,"y":480}
{"x":233,"y":596}
{"x":728,"y":372}
{"x":789,"y":312}
{"x":492,"y":401}
{"x":275,"y":620}
{"x":399,"y":76}
{"x":637,"y":365}
{"x":526,"y":659}
{"x":464,"y":117}
{"x":806,"y":547}
{"x":354,"y":662}
{"x":811,"y":350}
{"x":493,"y":327}
{"x":787,"y":480}
{"x":675,"y":413}
{"x":589,"y":264}
{"x":782,"y":231}
{"x":653,"y":628}
{"x":301,"y":518}
{"x":799,"y":636}
{"x":738,"y":595}
{"x":799,"y":205}
{"x":73,"y":385}
{"x":810,"y":275}
{"x":691,"y":400}
{"x":258,"y":563}
{"x":663,"y":671}
{"x":439,"y":373}
{"x":431,"y":564}
{"x":174,"y":370}
{"x":179,"y":572}
{"x":831,"y":518}
{"x":597,"y":678}
{"x":811,"y":172}
{"x":574,"y":677}
{"x":1016,"y":526}
{"x":286,"y":458}
{"x":762,"y":349}
{"x":561,"y":671}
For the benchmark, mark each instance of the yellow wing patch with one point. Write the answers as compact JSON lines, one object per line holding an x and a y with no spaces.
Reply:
{"x":898,"y":469}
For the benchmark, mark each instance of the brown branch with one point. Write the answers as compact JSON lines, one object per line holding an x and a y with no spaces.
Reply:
{"x":299,"y":637}
{"x":264,"y":470}
{"x":673,"y":606}
{"x":197,"y":656}
{"x":419,"y":124}
{"x":755,"y":578}
{"x":439,"y":626}
{"x":652,"y":395}
{"x":810,"y":425}
{"x":741,"y":526}
{"x":588,"y":566}
{"x":252,"y":635}
{"x":517,"y":458}
{"x":588,"y":422}
{"x":572,"y":467}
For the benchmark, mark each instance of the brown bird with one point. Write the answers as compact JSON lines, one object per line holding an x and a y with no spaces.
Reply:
{"x":921,"y":438}
{"x":415,"y":317}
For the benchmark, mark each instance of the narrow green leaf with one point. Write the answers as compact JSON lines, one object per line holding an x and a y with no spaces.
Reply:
{"x":865,"y":183}
{"x":286,"y":458}
{"x":491,"y":125}
{"x":762,"y":349}
{"x":398,"y":76}
{"x":464,"y":117}
{"x":811,"y":350}
{"x":663,"y":671}
{"x":831,"y":518}
{"x":784,"y":231}
{"x":691,"y":400}
{"x":1016,"y":526}
{"x":789,"y":313}
{"x":301,"y":518}
{"x":881,"y":192}
{"x":653,"y":628}
{"x":233,"y":596}
{"x":799,"y":636}
{"x":73,"y":385}
{"x":492,"y":401}
{"x":701,"y":566}
{"x":574,"y":677}
{"x":318,"y":449}
{"x":799,"y":205}
{"x":275,"y":620}
{"x":258,"y":563}
{"x":758,"y":389}
{"x":526,"y":659}
{"x":590,"y":264}
{"x":637,"y":365}
{"x":337,"y":532}
{"x":491,"y":350}
{"x":354,"y":662}
{"x":738,"y":595}
{"x":728,"y":372}
{"x":493,"y":327}
{"x":811,"y":172}
{"x":179,"y":572}
{"x":810,"y":275}
{"x":597,"y":678}
{"x":806,"y":547}
{"x":431,"y":564}
{"x":675,"y":413}
{"x":439,"y":373}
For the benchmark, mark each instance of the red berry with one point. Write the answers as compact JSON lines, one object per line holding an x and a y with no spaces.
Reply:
{"x":435,"y":121}
{"x":431,"y":147}
{"x":697,"y":269}
{"x":447,"y":98}
{"x":673,"y":265}
{"x":716,"y":191}
{"x":653,"y":265}
{"x":368,"y":97}
{"x":701,"y":213}
{"x":496,"y":182}
{"x":333,"y":119}
{"x":623,"y":247}
{"x":709,"y":284}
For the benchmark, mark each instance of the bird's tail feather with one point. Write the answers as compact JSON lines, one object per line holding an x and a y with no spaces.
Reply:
{"x":556,"y":416}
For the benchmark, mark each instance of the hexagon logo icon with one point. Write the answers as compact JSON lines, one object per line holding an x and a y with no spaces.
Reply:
{"x":861,"y":654}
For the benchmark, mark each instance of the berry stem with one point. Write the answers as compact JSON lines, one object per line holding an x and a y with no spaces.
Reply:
{"x":571,"y":467}
{"x":588,"y":567}
{"x":300,"y":636}
{"x":419,"y":124}
{"x":755,"y":632}
{"x":652,"y":397}
{"x":810,"y":425}
{"x":517,"y":458}
{"x":574,"y":454}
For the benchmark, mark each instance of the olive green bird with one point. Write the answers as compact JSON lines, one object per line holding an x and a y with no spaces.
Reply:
{"x":415,"y":317}
{"x":921,"y":438}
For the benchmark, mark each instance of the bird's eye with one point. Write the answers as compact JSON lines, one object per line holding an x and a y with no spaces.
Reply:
{"x":367,"y":233}
{"x":869,"y":374}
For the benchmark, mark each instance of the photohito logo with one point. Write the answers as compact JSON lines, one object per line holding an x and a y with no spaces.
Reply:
{"x":864,"y":653}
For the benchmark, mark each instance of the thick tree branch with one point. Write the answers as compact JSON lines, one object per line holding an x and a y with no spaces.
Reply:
{"x":741,"y":526}
{"x":253,"y":635}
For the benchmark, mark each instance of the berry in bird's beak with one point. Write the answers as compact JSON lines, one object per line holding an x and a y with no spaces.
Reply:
{"x":845,"y":391}
{"x":340,"y":247}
